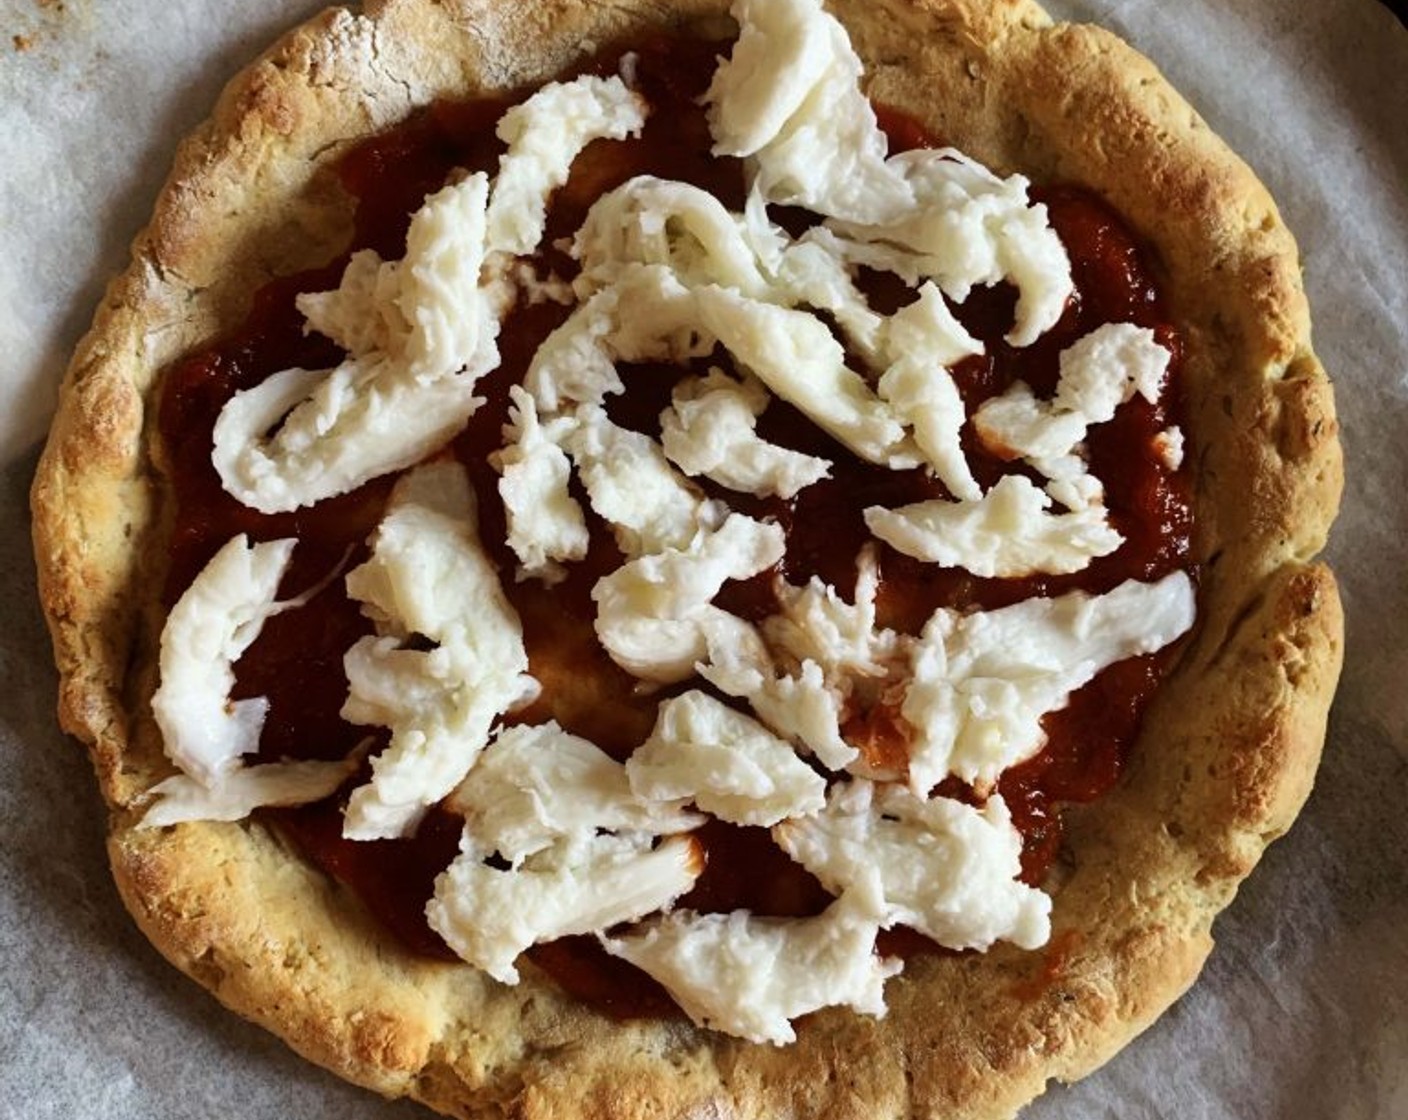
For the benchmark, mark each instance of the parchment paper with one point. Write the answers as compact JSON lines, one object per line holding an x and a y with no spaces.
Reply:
{"x":1302,"y":1012}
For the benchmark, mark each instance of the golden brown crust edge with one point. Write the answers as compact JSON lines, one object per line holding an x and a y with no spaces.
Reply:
{"x":1217,"y":772}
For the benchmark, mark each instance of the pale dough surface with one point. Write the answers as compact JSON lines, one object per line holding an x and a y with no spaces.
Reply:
{"x":1227,"y":756}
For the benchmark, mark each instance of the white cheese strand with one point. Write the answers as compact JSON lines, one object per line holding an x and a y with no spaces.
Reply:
{"x":489,"y":915}
{"x":726,"y":763}
{"x":429,"y":575}
{"x":209,"y":628}
{"x":783,"y":50}
{"x":795,"y":355}
{"x":814,"y":272}
{"x":941,"y":867}
{"x":544,"y":135}
{"x":1008,"y":532}
{"x":816,"y":624}
{"x":803,"y":706}
{"x":1098,"y":372}
{"x":453,"y":322}
{"x":652,"y":611}
{"x":203,"y":731}
{"x":362,"y":314}
{"x":710,"y":429}
{"x":678,"y":226}
{"x":983,"y":681}
{"x":645,"y":314}
{"x":536,"y":785}
{"x":789,"y":97}
{"x":545,"y":524}
{"x":750,"y":976}
{"x":925,"y":340}
{"x":333,"y":431}
{"x":650,"y":506}
{"x":969,"y":228}
{"x":379,"y":411}
{"x":240,"y":791}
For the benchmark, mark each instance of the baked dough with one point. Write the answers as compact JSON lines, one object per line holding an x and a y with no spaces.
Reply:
{"x":1227,"y":753}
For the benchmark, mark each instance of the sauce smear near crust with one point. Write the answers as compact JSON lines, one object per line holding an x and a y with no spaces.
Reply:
{"x":297,"y":660}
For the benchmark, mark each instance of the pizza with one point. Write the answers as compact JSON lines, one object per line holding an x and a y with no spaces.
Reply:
{"x":666,"y":560}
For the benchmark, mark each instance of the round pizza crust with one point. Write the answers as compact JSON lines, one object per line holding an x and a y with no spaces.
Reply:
{"x":1227,"y":753}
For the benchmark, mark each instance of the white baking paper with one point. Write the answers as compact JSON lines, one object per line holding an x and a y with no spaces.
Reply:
{"x":1302,"y":1013}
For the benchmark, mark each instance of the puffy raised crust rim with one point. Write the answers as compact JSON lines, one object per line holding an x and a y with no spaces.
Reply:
{"x":1227,"y":754}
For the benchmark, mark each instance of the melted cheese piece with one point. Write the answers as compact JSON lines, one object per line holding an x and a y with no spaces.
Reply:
{"x":783,"y":50}
{"x":489,"y":915}
{"x":544,"y":135}
{"x":802,"y":706}
{"x":647,"y":313}
{"x":717,"y":275}
{"x":203,"y":731}
{"x":652,"y":611}
{"x":813,"y":271}
{"x":649,"y":505}
{"x":941,"y":867}
{"x":1018,"y":425}
{"x":1098,"y":373}
{"x":970,"y":228}
{"x":749,"y":976}
{"x":710,"y":429}
{"x":419,"y":331}
{"x":453,"y":322}
{"x":829,"y":647}
{"x":237,"y":793}
{"x":673,"y":225}
{"x":545,"y":524}
{"x":1008,"y":532}
{"x":789,"y":97}
{"x":215,"y":620}
{"x":1168,"y":446}
{"x":537,"y":785}
{"x":429,"y":576}
{"x":685,"y":230}
{"x":727,"y":764}
{"x":334,"y":430}
{"x":925,"y":340}
{"x":795,"y":355}
{"x":983,"y":681}
{"x":816,"y":624}
{"x":362,"y":314}
{"x":381,"y":410}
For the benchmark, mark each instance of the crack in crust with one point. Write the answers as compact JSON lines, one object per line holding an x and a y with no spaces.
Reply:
{"x":1227,"y":754}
